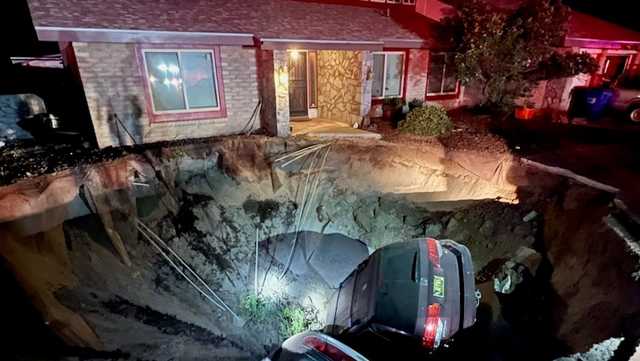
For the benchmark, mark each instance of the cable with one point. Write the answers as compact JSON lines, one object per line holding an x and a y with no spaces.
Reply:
{"x":166,"y":257}
{"x":184,"y":264}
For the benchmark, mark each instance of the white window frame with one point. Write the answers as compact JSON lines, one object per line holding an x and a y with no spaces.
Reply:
{"x":607,"y":62}
{"x":444,"y":72}
{"x":184,"y":89}
{"x":384,"y":74}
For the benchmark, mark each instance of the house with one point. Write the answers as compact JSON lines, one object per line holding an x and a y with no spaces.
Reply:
{"x":155,"y":70}
{"x":616,"y":49}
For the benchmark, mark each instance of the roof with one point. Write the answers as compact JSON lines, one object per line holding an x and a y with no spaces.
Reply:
{"x":590,"y":28}
{"x":264,"y":19}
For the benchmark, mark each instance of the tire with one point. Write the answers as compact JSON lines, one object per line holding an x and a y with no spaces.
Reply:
{"x":633,"y":114}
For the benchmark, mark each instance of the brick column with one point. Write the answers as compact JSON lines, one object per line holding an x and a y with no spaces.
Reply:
{"x":281,"y":79}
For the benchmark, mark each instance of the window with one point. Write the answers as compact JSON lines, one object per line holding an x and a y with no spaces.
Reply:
{"x":441,"y":77}
{"x":181,"y":80}
{"x":614,"y":67}
{"x":388,"y":74}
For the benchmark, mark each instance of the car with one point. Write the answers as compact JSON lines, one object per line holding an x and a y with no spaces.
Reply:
{"x":314,"y":346}
{"x":421,"y":291}
{"x":627,"y":101}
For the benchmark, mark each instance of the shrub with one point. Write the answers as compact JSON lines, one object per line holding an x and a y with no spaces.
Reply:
{"x":296,"y":319}
{"x":256,"y":308}
{"x":430,"y":120}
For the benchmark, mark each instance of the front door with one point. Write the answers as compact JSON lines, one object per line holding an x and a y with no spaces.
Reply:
{"x":298,"y":84}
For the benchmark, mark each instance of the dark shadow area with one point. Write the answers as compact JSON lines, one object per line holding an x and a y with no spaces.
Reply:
{"x":27,"y":336}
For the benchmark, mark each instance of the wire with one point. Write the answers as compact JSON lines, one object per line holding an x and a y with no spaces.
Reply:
{"x":305,"y":199}
{"x":184,"y":264}
{"x":175,"y":266}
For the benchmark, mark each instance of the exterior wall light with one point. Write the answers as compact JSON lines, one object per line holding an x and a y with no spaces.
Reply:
{"x":283,"y":76}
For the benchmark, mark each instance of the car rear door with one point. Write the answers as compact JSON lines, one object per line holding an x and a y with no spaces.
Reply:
{"x":342,"y":306}
{"x":363,"y":298}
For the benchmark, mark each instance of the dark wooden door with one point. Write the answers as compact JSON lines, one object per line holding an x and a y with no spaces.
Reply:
{"x":298,"y":84}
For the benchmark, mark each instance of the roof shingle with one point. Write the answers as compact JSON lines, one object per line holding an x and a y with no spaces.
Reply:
{"x":285,"y":19}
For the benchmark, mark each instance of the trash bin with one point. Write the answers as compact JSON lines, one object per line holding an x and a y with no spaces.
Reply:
{"x":590,"y":103}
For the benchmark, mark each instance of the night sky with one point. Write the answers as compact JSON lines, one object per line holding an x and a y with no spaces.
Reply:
{"x":622,"y":12}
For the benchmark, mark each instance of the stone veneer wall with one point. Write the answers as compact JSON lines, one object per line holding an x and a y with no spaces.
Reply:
{"x":281,"y":63}
{"x":340,"y":85}
{"x":113,"y":84}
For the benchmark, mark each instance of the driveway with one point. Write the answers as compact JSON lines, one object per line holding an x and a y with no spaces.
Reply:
{"x":607,"y":151}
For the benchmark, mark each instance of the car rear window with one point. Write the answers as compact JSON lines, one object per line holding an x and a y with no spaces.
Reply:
{"x":397,"y":263}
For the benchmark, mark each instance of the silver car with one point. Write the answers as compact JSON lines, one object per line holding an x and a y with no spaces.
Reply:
{"x":314,"y":346}
{"x":627,"y":101}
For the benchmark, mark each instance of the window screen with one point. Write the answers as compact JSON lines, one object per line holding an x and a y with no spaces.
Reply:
{"x":393,"y":81}
{"x":441,"y":77}
{"x":388,"y":74}
{"x":378,"y":75}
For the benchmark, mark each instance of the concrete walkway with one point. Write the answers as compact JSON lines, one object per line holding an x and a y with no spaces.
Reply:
{"x":329,"y":129}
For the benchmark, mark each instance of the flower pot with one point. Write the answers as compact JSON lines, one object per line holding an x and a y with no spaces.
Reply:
{"x":387,"y":113}
{"x":525,"y":113}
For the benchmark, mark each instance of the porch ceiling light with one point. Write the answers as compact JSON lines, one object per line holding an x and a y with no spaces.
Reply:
{"x":295,"y":54}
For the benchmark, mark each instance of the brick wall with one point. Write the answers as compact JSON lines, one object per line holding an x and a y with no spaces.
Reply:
{"x":114,"y":84}
{"x":417,"y":74}
{"x":266,"y":86}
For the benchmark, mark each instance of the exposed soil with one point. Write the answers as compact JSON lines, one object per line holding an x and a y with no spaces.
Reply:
{"x":464,"y":137}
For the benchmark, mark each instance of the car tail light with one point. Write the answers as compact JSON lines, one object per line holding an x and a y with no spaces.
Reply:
{"x":325,"y":348}
{"x":432,"y":327}
{"x":434,"y":252}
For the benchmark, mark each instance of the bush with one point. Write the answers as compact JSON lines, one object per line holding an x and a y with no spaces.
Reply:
{"x":430,"y":120}
{"x":256,"y":308}
{"x":296,"y":319}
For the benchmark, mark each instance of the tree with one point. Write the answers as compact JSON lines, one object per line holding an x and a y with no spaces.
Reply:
{"x":505,"y":53}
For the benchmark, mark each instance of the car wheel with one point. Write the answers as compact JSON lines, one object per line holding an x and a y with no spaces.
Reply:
{"x":634,"y":113}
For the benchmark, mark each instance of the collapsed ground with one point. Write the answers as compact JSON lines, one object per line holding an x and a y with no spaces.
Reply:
{"x":210,"y":201}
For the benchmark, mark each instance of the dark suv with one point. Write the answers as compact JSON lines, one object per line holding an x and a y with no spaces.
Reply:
{"x":422,"y":291}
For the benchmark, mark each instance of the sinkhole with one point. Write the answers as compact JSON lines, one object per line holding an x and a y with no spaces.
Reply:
{"x":221,"y":250}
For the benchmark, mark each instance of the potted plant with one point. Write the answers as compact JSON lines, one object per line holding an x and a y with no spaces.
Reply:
{"x":526,"y":111}
{"x":416,"y":103}
{"x":389,"y":107}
